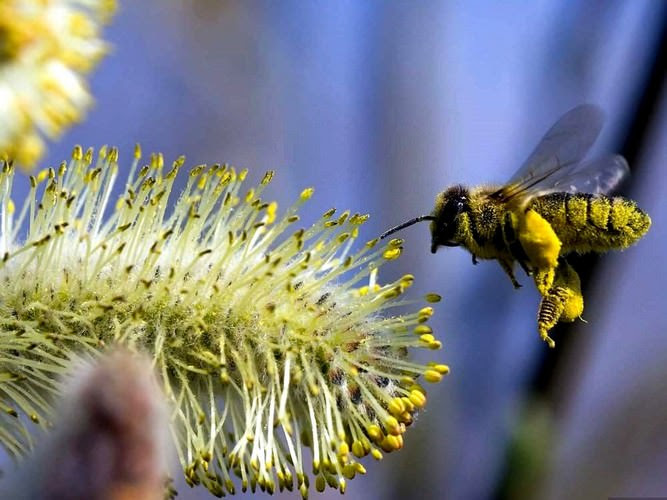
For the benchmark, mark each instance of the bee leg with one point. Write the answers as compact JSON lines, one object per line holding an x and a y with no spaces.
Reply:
{"x":517,"y":251}
{"x":544,"y":280}
{"x":508,"y":268}
{"x":548,"y":314}
{"x":563,"y":302}
{"x":474,"y":260}
{"x":524,"y":266}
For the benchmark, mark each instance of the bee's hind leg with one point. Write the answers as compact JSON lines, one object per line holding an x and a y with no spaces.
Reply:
{"x":509,"y":270}
{"x":474,"y":260}
{"x":563,"y":302}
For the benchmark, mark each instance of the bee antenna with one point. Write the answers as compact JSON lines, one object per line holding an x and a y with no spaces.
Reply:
{"x":406,"y":224}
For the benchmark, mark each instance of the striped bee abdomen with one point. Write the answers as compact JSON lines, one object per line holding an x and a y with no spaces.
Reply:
{"x":592,"y":223}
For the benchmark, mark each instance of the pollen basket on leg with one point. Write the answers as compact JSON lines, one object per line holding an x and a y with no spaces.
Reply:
{"x":270,"y":338}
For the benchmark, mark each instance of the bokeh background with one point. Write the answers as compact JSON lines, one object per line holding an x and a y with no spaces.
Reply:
{"x":380,"y":105}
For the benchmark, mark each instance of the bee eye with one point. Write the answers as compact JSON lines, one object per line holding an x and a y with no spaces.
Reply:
{"x":452,"y":209}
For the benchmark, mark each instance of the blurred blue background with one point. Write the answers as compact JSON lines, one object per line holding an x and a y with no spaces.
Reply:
{"x":379,"y":106}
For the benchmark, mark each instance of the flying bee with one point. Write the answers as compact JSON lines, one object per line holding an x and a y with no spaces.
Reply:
{"x":554,"y":205}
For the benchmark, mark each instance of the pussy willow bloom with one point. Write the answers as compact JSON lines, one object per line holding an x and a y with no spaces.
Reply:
{"x":46,"y":49}
{"x":269,"y":339}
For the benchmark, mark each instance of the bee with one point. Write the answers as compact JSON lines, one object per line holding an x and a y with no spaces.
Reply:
{"x":555,"y":205}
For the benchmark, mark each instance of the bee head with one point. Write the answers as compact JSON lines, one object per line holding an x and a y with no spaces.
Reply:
{"x":444,"y":219}
{"x":448,"y":206}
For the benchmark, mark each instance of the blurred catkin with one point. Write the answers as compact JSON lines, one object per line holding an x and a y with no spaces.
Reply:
{"x":110,"y":436}
{"x":47,"y":48}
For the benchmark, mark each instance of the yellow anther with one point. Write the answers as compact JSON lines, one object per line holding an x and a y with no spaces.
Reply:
{"x":349,"y":471}
{"x":342,"y":237}
{"x":392,"y":253}
{"x":396,"y":406}
{"x":425,"y":312}
{"x":328,"y":213}
{"x":432,"y":298}
{"x":423,"y":330}
{"x":432,"y":376}
{"x":409,"y":406}
{"x":267,"y":177}
{"x":271,"y":212}
{"x":374,"y":432}
{"x":391,"y":425}
{"x":427,"y":338}
{"x":443,"y":369}
{"x":407,"y":280}
{"x":343,"y":217}
{"x":358,"y":449}
{"x":391,"y":443}
{"x":42,"y":175}
{"x":113,"y":155}
{"x":306,"y":194}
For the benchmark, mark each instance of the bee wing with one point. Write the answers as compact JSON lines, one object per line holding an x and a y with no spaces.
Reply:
{"x":598,"y":176}
{"x":560,"y":150}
